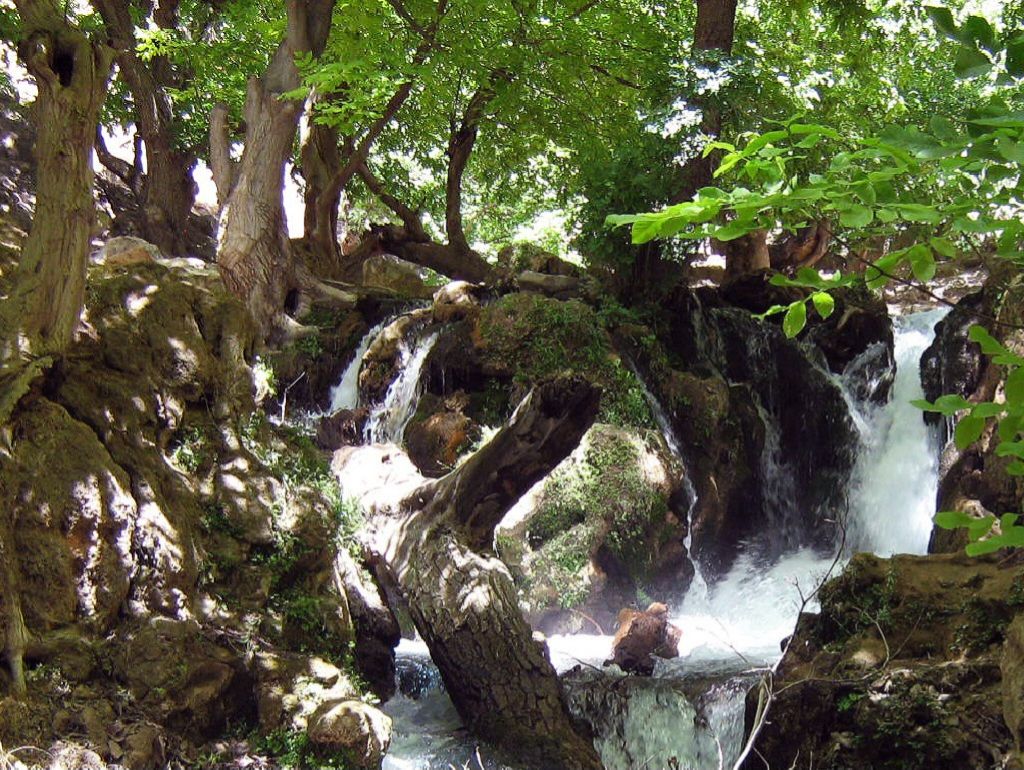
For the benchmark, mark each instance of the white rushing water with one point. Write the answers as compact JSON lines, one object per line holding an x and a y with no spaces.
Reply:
{"x":387,"y":421}
{"x":729,"y":626}
{"x":345,"y":395}
{"x":892,"y":494}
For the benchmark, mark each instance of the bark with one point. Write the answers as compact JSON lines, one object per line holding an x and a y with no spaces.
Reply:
{"x":71,"y":74}
{"x":438,"y":553}
{"x":255,"y":256}
{"x":13,"y":634}
{"x":745,"y":255}
{"x":167,"y":192}
{"x":803,"y":249}
{"x":221,"y":164}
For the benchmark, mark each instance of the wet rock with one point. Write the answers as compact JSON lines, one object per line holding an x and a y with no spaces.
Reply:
{"x":439,"y":432}
{"x":359,"y":730}
{"x":343,"y":428}
{"x":383,"y":358}
{"x":641,"y":636}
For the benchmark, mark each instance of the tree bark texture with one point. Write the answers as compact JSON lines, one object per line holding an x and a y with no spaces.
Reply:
{"x":71,"y":74}
{"x":254,"y":253}
{"x":438,"y":552}
{"x":167,"y":191}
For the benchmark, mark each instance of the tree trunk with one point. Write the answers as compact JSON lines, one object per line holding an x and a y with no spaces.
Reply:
{"x":254,"y":255}
{"x":71,"y":74}
{"x":438,"y":551}
{"x":168,"y":191}
{"x":321,"y":161}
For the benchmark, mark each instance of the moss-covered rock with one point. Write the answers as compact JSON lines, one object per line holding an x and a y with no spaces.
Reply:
{"x":900,"y":670}
{"x":605,"y":530}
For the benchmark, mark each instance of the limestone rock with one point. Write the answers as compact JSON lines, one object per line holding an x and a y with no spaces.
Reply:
{"x":343,"y":428}
{"x":351,"y":726}
{"x":559,"y":286}
{"x":291,"y":686}
{"x":456,"y":300}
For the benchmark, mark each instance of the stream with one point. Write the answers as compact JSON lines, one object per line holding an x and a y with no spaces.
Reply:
{"x":690,"y":713}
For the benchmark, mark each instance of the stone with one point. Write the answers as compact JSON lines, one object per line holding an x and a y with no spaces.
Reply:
{"x":144,"y":748}
{"x":126,"y":250}
{"x":457,"y":300}
{"x":343,"y":428}
{"x":351,"y":726}
{"x":558,"y":286}
{"x":291,"y":686}
{"x":386,"y":271}
{"x":642,"y":636}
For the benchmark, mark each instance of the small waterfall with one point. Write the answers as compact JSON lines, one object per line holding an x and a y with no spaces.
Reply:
{"x":892,"y":494}
{"x":345,"y":395}
{"x":387,"y":420}
{"x":699,"y":582}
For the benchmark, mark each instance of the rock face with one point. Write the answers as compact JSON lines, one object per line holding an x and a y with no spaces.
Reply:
{"x":905,"y":667}
{"x":158,"y":538}
{"x":359,"y":731}
{"x":974,"y":480}
{"x":643,"y":635}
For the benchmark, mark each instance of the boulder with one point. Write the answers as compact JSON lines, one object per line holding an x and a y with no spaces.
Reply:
{"x":126,"y":250}
{"x":386,"y":271}
{"x":457,"y":300}
{"x":558,"y":286}
{"x":343,"y":428}
{"x":360,"y":731}
{"x":439,"y":433}
{"x":641,"y":636}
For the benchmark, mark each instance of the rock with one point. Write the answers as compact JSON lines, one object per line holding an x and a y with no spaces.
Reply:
{"x":343,"y":428}
{"x":144,"y":748}
{"x":291,"y":686}
{"x":381,"y":477}
{"x":383,"y":358}
{"x":359,"y":730}
{"x":522,"y":256}
{"x":126,"y":250}
{"x":641,"y":635}
{"x":456,"y":301}
{"x":67,"y":756}
{"x":558,"y":286}
{"x":439,"y":432}
{"x":386,"y":271}
{"x":905,"y":658}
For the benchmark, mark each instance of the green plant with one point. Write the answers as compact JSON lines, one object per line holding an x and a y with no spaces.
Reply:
{"x":310,"y":345}
{"x":190,"y":448}
{"x":294,"y":749}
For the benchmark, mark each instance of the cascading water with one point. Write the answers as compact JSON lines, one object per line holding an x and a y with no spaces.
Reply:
{"x":345,"y":395}
{"x":690,"y":714}
{"x":387,"y":420}
{"x":892,"y":495}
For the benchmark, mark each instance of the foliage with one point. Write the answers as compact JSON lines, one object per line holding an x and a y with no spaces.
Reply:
{"x":294,"y":750}
{"x":190,"y":449}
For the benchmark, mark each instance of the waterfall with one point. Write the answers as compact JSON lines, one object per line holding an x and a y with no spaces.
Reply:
{"x":345,"y":395}
{"x":893,"y":490}
{"x":387,"y":420}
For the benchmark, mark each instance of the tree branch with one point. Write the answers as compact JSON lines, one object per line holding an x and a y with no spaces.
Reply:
{"x":545,"y":428}
{"x":221,"y":164}
{"x":411,"y":219}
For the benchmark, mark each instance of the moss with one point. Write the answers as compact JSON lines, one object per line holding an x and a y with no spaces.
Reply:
{"x":533,"y":337}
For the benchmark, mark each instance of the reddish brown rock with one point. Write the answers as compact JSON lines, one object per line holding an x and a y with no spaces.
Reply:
{"x":643,"y":635}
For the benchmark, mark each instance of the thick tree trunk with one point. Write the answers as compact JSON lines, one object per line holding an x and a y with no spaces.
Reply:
{"x":167,"y":191}
{"x":254,"y":254}
{"x":438,"y":552}
{"x":320,"y":159}
{"x":71,"y":74}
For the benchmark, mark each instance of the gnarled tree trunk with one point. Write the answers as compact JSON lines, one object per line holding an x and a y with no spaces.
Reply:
{"x":71,"y":73}
{"x":438,"y":551}
{"x":254,"y":253}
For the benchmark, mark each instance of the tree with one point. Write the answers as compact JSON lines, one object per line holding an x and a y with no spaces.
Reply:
{"x":437,"y":550}
{"x":254,"y":255}
{"x":71,"y":72}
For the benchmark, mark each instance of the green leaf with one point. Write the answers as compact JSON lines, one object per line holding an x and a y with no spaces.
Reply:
{"x":990,"y":346}
{"x":970,"y":62}
{"x":1015,"y":57}
{"x":948,"y":405}
{"x":855,"y":216}
{"x":1010,"y":426}
{"x":988,"y":409}
{"x":977,"y":30}
{"x":953,"y":519}
{"x":922,"y":262}
{"x":877,"y":275}
{"x":968,"y":430}
{"x":943,"y":128}
{"x":918,"y":212}
{"x":943,"y":20}
{"x":733,"y":230}
{"x":795,"y":320}
{"x":1015,"y":386}
{"x":1016,"y":468}
{"x":943,"y":246}
{"x":823,"y":303}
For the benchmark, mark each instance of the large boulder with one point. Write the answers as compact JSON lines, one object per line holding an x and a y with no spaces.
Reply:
{"x":643,"y":635}
{"x":356,"y":729}
{"x":607,"y":526}
{"x":901,"y":669}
